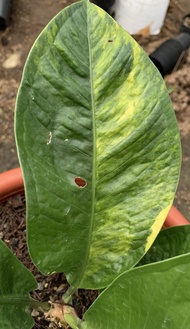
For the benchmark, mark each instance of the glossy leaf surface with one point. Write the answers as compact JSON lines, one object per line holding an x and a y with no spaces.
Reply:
{"x":89,"y":111}
{"x":169,"y":243}
{"x":153,"y":296}
{"x":15,"y":284}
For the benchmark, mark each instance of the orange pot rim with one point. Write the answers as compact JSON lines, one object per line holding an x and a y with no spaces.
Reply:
{"x":11,"y":183}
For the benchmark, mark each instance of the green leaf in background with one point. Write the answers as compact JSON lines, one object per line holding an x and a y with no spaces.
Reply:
{"x":171,"y":242}
{"x":155,"y":296}
{"x":93,"y":108}
{"x":15,"y":284}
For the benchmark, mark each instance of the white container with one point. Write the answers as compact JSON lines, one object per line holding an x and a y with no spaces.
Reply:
{"x":141,"y":16}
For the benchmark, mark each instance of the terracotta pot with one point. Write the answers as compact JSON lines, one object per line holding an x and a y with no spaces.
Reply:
{"x":11,"y":183}
{"x":175,"y":218}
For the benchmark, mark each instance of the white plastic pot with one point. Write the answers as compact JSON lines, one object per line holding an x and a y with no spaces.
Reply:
{"x":144,"y":17}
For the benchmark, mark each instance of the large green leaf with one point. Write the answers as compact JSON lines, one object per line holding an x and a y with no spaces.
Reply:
{"x":92,"y":105}
{"x":155,"y":296}
{"x":15,"y":284}
{"x":171,"y":242}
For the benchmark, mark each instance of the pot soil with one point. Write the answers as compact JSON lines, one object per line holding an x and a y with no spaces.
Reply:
{"x":51,"y":288}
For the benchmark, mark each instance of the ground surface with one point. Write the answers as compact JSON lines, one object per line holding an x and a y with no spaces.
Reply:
{"x":27,"y":20}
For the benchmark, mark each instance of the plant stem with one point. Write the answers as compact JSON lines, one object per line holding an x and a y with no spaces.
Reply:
{"x":37,"y":305}
{"x":67,"y":297}
{"x":71,"y":317}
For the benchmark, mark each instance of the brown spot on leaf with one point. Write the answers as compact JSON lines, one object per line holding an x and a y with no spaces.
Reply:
{"x":80,"y":182}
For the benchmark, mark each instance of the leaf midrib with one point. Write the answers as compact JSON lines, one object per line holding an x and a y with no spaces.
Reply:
{"x":87,"y":251}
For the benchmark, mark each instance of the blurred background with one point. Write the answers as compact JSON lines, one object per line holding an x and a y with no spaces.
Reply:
{"x":25,"y":22}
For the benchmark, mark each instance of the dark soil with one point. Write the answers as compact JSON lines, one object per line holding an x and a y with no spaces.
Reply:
{"x":50,"y":288}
